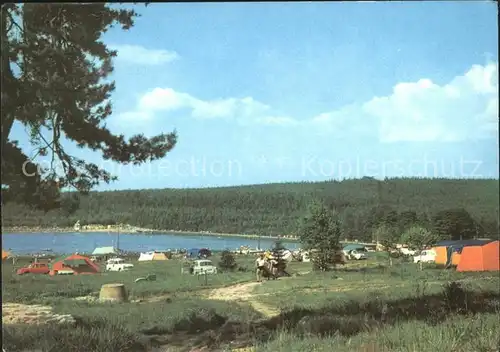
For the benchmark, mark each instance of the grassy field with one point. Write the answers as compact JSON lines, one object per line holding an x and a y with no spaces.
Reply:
{"x":43,"y":289}
{"x":365,"y":306}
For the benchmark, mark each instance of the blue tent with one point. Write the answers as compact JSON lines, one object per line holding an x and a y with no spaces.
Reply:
{"x":462,"y":243}
{"x":194,"y":252}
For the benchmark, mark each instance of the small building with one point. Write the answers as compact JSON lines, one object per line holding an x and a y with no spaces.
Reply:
{"x":105,"y":251}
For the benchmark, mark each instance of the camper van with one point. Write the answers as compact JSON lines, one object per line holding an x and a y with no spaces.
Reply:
{"x":426,"y":256}
{"x":118,"y":264}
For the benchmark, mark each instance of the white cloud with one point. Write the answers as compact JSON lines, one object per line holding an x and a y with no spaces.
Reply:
{"x":164,"y":99}
{"x":244,"y":110}
{"x":136,"y":54}
{"x":465,"y":108}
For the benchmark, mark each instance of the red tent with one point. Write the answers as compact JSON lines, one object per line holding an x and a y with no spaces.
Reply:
{"x":77,"y":264}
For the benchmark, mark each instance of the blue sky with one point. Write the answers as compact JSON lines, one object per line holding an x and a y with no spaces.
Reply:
{"x":275,"y":92}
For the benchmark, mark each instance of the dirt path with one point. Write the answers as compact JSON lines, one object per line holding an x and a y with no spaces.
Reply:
{"x":243,"y":293}
{"x":234,"y":292}
{"x":14,"y":313}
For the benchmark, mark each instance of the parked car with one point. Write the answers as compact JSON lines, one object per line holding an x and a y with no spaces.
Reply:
{"x":118,"y":264}
{"x":426,"y":256}
{"x":407,"y":251}
{"x":355,"y":255}
{"x":203,"y":267}
{"x":35,"y":268}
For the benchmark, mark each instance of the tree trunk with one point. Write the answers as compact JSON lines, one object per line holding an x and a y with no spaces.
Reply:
{"x":9,"y":96}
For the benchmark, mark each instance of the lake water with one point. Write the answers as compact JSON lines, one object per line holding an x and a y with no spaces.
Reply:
{"x":86,"y":242}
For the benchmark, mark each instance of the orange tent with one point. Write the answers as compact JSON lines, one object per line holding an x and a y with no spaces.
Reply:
{"x":480,"y":258}
{"x":441,"y":255}
{"x":78,"y":264}
{"x":450,"y":252}
{"x":5,"y":254}
{"x":455,"y":258}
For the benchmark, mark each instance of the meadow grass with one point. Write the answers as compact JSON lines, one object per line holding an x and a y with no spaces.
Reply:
{"x":478,"y":333}
{"x":169,"y":280}
{"x":401,"y":280}
{"x":366,"y":306}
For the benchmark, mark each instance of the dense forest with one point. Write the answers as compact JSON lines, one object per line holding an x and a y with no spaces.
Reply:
{"x":465,"y":207}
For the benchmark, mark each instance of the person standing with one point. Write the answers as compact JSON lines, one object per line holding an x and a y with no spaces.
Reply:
{"x":260,"y":263}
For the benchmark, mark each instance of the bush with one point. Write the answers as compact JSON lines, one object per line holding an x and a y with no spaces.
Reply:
{"x":227,"y":262}
{"x":321,"y":229}
{"x":96,"y":335}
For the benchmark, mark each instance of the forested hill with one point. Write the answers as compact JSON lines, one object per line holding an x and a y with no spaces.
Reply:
{"x":276,"y":208}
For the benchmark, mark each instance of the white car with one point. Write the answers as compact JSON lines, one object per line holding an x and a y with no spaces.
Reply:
{"x":407,"y":251}
{"x":203,"y":266}
{"x":118,"y":264}
{"x":426,"y":256}
{"x":355,"y":255}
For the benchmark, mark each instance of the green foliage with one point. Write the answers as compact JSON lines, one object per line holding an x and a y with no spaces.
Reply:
{"x":456,"y":224}
{"x":386,"y":235}
{"x":419,"y":237}
{"x":407,"y":219}
{"x":62,"y":89}
{"x":321,"y":230}
{"x":272,"y":208}
{"x":227,"y":261}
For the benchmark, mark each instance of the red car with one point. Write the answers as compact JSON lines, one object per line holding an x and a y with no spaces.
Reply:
{"x":35,"y":268}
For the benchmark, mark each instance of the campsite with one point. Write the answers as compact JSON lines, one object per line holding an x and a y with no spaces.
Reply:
{"x":348,"y":308}
{"x":252,"y":177}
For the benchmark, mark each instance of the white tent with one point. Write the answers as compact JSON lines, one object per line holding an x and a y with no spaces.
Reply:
{"x":105,"y":251}
{"x":153,"y":255}
{"x":287,"y":255}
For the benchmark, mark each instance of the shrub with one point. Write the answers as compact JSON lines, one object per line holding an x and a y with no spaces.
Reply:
{"x":227,"y":262}
{"x":321,"y":230}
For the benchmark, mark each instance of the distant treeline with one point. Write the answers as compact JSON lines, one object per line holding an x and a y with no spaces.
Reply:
{"x":467,"y":208}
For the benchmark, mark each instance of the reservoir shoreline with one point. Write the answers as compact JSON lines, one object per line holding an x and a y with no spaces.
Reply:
{"x":87,"y":241}
{"x":20,"y":230}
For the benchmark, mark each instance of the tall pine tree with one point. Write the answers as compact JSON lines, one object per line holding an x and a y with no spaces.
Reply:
{"x":55,"y":81}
